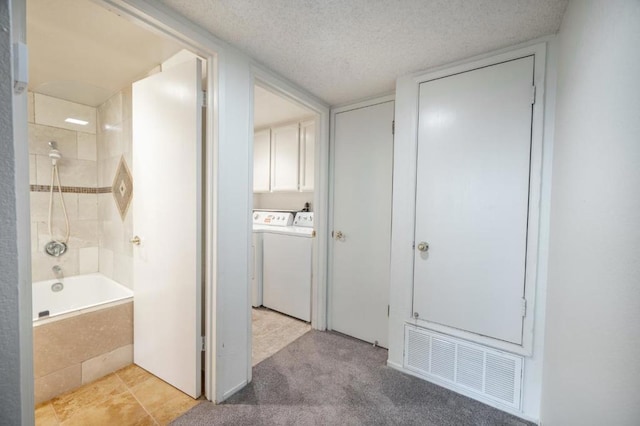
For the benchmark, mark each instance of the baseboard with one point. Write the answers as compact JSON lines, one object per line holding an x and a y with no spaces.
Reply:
{"x":233,"y":390}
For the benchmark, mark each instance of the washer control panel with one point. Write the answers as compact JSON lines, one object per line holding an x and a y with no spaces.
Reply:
{"x":273,"y":218}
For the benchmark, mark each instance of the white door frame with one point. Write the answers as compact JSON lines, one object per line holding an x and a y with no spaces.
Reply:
{"x":332,"y":149}
{"x":533,"y":233}
{"x":270,"y":81}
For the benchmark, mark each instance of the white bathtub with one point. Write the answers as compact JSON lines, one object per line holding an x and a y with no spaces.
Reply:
{"x":81,"y":293}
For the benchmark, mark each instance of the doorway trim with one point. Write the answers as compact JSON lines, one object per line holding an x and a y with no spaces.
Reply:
{"x":270,"y":81}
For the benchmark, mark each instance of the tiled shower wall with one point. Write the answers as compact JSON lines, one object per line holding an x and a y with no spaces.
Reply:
{"x":78,"y":169}
{"x":113,"y":143}
{"x":99,"y":239}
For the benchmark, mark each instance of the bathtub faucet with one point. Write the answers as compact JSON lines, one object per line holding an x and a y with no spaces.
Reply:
{"x":57,"y":270}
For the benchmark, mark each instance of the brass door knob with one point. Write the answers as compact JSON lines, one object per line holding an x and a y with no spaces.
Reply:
{"x":135,"y":240}
{"x":423,"y":246}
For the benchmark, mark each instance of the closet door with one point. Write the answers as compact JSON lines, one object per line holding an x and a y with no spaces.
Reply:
{"x":361,"y":247}
{"x":472,"y":199}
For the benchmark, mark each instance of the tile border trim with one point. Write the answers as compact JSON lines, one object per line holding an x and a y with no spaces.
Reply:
{"x":72,"y":189}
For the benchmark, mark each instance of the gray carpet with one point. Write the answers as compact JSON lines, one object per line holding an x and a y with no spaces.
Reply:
{"x":325,"y":378}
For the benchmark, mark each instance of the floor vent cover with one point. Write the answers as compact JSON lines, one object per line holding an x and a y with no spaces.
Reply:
{"x":473,"y":368}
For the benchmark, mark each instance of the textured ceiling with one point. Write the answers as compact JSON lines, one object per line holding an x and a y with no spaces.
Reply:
{"x":344,"y":50}
{"x":83,"y":53}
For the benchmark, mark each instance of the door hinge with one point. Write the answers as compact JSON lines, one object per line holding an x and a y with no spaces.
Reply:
{"x":203,"y":343}
{"x":393,"y":127}
{"x":533,"y":95}
{"x":204,"y":99}
{"x":524,"y":307}
{"x":388,"y":310}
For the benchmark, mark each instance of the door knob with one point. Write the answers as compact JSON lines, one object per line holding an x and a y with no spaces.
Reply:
{"x":423,"y":246}
{"x":135,"y":240}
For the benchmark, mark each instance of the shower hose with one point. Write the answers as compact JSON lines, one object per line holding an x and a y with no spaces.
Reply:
{"x":55,"y":178}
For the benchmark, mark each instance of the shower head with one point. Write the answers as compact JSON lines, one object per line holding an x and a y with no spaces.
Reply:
{"x":54,"y":154}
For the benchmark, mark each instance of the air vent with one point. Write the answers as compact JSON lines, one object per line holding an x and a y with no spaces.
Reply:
{"x":473,"y":368}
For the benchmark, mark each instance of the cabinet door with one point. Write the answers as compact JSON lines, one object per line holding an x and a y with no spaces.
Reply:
{"x":262,"y":161}
{"x":284,"y":158}
{"x":307,"y":157}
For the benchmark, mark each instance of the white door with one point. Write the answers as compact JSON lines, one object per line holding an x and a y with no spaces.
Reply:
{"x":363,"y":159}
{"x":167,"y":149}
{"x":472,"y":196}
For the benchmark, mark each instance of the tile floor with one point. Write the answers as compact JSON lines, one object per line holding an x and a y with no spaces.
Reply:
{"x":273,"y":331}
{"x":132,"y":396}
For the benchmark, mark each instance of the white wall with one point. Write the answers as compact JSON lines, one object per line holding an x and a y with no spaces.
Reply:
{"x":592,"y":349}
{"x":16,"y":368}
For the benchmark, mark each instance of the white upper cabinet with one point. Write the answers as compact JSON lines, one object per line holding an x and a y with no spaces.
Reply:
{"x":284,"y":158}
{"x":307,"y":150}
{"x":262,"y":161}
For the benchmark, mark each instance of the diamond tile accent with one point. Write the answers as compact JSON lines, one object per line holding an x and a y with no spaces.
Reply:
{"x":122,"y":188}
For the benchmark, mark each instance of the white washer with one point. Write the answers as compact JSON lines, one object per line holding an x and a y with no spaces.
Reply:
{"x":263,"y":221}
{"x":286,"y":262}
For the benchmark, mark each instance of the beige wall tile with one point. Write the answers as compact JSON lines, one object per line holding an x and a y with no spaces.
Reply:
{"x":32,"y":170}
{"x":107,"y":171}
{"x":34,"y":236}
{"x":40,"y":206}
{"x":127,"y":103}
{"x":110,"y":113}
{"x":87,"y":146}
{"x":52,"y":112}
{"x":76,"y":339}
{"x":57,"y":382}
{"x":88,"y":260}
{"x":84,"y":233}
{"x":111,"y":140}
{"x":106,"y":262}
{"x":42,"y":263}
{"x":40,"y":136}
{"x":100,"y":366}
{"x":88,"y":206}
{"x":30,"y":108}
{"x":123,"y":270}
{"x":72,"y":172}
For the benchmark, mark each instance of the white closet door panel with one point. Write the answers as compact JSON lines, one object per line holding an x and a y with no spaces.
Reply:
{"x":474,"y":144}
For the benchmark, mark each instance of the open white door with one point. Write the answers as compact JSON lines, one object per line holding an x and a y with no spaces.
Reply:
{"x":167,"y":152}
